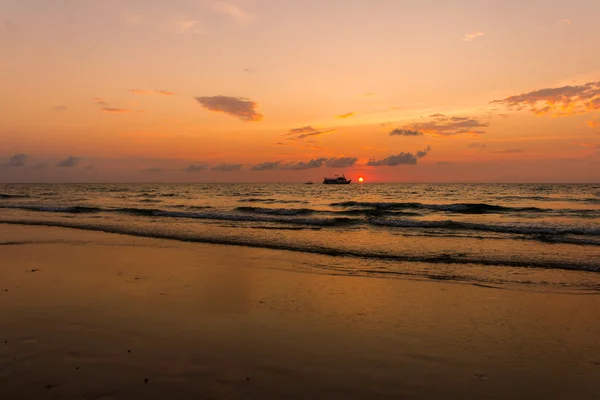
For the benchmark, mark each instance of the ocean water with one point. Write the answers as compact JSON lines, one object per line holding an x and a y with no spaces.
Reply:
{"x":535,"y":236}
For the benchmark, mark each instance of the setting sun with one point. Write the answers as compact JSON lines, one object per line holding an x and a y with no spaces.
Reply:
{"x":360,"y":179}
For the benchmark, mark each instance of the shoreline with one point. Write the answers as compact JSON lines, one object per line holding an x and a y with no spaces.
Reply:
{"x":95,"y":314}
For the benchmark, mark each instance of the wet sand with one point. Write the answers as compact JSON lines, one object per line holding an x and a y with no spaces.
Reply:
{"x":103,"y":316}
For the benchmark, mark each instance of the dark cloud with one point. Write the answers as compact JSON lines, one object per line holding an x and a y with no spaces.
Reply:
{"x":341,"y":162}
{"x":239,"y":107}
{"x":399,"y":159}
{"x":151,"y":92}
{"x":59,"y":108}
{"x":17,"y":160}
{"x":476,"y":145}
{"x":153,"y":170}
{"x":405,"y":132}
{"x":120,"y":110}
{"x":314,"y":163}
{"x":226,"y":167}
{"x":69,"y":162}
{"x":307,"y":131}
{"x":442,"y":125}
{"x":197,"y":167}
{"x":266,"y":166}
{"x":562,"y":101}
{"x":421,"y":154}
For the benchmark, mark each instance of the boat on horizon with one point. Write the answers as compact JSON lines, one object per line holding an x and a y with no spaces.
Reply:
{"x":337,"y":180}
{"x":308,"y":183}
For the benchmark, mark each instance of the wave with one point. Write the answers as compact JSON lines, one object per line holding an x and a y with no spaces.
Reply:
{"x":270,"y":201}
{"x":214,"y":215}
{"x":514,"y":228}
{"x":250,"y":241}
{"x":277,"y":211}
{"x":463,"y":208}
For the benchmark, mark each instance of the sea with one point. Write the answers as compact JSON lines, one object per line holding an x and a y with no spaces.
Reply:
{"x":517,"y":236}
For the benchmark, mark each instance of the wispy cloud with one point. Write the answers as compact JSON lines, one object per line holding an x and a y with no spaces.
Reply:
{"x":565,"y":22}
{"x":226,"y":167}
{"x":399,"y":159}
{"x":99,"y":101}
{"x":347,"y":115}
{"x":341,"y":162}
{"x":307,"y":131}
{"x":59,"y":108}
{"x":152,"y":92}
{"x":239,"y":107}
{"x":69,"y":162}
{"x":593,"y":124}
{"x":188,"y":27}
{"x":476,"y":145}
{"x":17,"y":160}
{"x":560,"y":101}
{"x":119,"y":110}
{"x":266,"y":166}
{"x":442,"y":125}
{"x":313,"y":163}
{"x":153,"y":170}
{"x":235,"y":12}
{"x":405,"y":132}
{"x":106,"y":107}
{"x":472,"y":36}
{"x":197,"y":168}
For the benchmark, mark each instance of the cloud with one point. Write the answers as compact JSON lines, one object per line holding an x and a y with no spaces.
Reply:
{"x":89,"y":168}
{"x":399,"y":159}
{"x":152,"y":92}
{"x":17,"y":160}
{"x":421,"y":154}
{"x":120,"y":110}
{"x":69,"y":162}
{"x":593,"y":124}
{"x":226,"y":167}
{"x":99,"y":101}
{"x":511,"y":151}
{"x":307,"y":131}
{"x":562,"y":101}
{"x":442,"y":125}
{"x":239,"y":107}
{"x":266,"y":166}
{"x":197,"y":167}
{"x":313,"y":163}
{"x":59,"y":108}
{"x":476,"y":145}
{"x":471,"y":36}
{"x":341,"y":162}
{"x":153,"y":170}
{"x":405,"y":132}
{"x":392,"y":161}
{"x":348,"y":115}
{"x":189,"y":27}
{"x":233,"y":11}
{"x":565,"y":22}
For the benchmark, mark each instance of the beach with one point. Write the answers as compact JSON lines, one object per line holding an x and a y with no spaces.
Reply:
{"x":106,"y":316}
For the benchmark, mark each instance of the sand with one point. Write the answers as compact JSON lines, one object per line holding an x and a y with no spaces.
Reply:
{"x":102,"y":316}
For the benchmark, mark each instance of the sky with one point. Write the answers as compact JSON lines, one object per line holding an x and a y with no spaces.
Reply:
{"x":289,"y":91}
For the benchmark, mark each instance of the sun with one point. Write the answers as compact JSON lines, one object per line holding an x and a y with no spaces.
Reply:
{"x":360,"y":179}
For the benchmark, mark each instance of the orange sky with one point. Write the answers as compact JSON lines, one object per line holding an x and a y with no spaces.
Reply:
{"x":280,"y":90}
